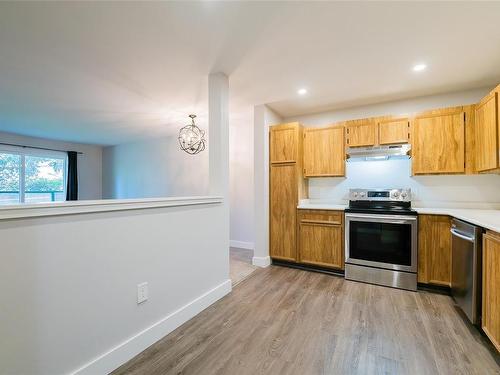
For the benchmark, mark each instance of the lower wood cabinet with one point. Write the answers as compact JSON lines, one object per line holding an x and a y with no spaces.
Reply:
{"x":434,"y":250}
{"x":284,"y":198}
{"x":491,"y":287}
{"x":321,"y":238}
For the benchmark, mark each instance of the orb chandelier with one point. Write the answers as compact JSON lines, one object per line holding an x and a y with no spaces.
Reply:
{"x":191,"y":138}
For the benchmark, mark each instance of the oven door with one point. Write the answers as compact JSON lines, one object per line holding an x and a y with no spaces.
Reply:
{"x":383,"y":241}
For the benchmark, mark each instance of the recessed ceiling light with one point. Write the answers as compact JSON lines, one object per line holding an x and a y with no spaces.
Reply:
{"x":419,"y":67}
{"x":302,"y":91}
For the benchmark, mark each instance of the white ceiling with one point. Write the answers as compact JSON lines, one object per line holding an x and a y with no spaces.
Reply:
{"x":115,"y":72}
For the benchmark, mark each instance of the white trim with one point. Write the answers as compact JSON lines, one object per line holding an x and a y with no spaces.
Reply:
{"x":241,"y":244}
{"x":261,"y":261}
{"x":81,"y":207}
{"x":128,"y":349}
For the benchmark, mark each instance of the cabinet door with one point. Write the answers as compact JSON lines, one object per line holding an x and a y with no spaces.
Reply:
{"x":324,"y":152}
{"x":434,"y":250}
{"x":321,"y":244}
{"x":283,"y":205}
{"x":491,"y":287}
{"x":361,"y":135}
{"x":438,"y":143}
{"x":393,"y":131}
{"x":283,"y":143}
{"x":486,"y":132}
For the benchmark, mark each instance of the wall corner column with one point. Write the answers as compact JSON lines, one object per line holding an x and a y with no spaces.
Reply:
{"x":261,"y":187}
{"x":218,"y":147}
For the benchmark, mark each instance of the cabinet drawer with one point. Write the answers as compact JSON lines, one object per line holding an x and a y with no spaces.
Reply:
{"x":321,"y":217}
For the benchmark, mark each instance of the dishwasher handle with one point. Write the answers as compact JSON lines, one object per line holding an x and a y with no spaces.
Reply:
{"x":462,"y":236}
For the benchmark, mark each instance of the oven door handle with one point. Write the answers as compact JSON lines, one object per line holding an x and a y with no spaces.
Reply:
{"x":379,"y":219}
{"x":382,"y":218}
{"x":395,"y":221}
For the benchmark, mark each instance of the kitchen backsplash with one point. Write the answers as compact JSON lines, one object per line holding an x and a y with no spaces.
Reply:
{"x":476,"y":191}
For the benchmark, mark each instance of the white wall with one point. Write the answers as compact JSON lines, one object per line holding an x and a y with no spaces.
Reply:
{"x":72,"y":283}
{"x":71,"y":301}
{"x":241,"y":183}
{"x":263,"y":118}
{"x":400,"y":107}
{"x":89,"y":163}
{"x":156,"y":168}
{"x":477,"y":191}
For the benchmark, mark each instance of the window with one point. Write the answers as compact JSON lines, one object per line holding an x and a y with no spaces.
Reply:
{"x":32,"y":176}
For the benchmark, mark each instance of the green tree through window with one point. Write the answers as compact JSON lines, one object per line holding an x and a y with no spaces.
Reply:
{"x":29,"y":178}
{"x":10,"y":165}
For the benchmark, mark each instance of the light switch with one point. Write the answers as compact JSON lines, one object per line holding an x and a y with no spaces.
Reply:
{"x":142,"y":292}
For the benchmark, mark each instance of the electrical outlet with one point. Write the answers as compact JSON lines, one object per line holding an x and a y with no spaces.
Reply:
{"x":142,"y":293}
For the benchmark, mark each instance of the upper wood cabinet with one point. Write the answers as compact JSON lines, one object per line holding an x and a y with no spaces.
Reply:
{"x":377,"y":131}
{"x":487,"y":133}
{"x":438,"y":142}
{"x":394,"y":131}
{"x":361,"y":133}
{"x":434,"y":250}
{"x":324,"y":152}
{"x":321,"y":238}
{"x":284,"y":143}
{"x":491,"y":287}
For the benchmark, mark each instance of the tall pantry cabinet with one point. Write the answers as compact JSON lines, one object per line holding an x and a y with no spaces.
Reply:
{"x":286,"y":187}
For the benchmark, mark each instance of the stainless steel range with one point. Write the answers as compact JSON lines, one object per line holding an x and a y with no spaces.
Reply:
{"x":381,"y":238}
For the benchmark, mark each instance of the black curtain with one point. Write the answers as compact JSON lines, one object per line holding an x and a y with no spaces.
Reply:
{"x":72,"y":188}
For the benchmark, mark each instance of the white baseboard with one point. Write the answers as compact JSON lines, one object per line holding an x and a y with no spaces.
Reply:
{"x":261,"y":261}
{"x":128,"y":349}
{"x":241,"y":244}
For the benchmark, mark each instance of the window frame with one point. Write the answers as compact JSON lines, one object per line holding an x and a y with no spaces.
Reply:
{"x":28,"y":151}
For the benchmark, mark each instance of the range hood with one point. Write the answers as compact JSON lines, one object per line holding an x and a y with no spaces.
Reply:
{"x":379,"y":152}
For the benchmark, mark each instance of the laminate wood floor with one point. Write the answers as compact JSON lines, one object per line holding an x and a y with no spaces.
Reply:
{"x":240,"y":264}
{"x":286,"y":321}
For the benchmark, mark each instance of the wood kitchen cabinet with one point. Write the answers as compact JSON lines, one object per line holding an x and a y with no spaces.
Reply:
{"x":438,"y":141}
{"x":487,"y":133}
{"x":286,"y":187}
{"x":393,"y":131}
{"x":321,"y":238}
{"x":284,"y":143}
{"x":491,"y":287}
{"x":434,"y":250}
{"x":324,"y":152}
{"x":283,"y":198}
{"x":361,"y":133}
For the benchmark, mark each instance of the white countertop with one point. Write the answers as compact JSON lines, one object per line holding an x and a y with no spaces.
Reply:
{"x":321,"y":206}
{"x":489,"y":219}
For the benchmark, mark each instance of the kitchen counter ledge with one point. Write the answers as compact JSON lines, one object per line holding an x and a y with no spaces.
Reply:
{"x":20,"y":211}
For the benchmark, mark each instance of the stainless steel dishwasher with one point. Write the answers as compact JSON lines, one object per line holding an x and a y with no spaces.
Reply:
{"x":466,"y":268}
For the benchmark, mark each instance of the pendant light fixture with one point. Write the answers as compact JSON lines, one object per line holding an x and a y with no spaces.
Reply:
{"x":191,"y":138}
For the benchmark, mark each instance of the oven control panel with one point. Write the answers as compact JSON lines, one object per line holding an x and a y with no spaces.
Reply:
{"x":398,"y":195}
